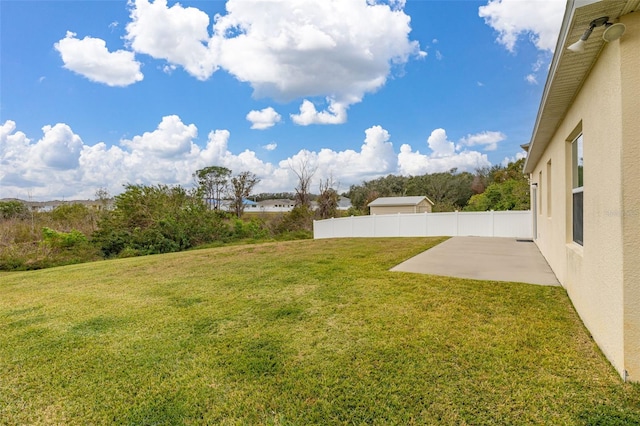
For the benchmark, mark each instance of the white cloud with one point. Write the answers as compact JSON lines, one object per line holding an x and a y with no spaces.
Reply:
{"x":284,"y":49}
{"x":270,"y":146}
{"x":376,"y":158}
{"x":535,"y":67}
{"x":290,"y":49}
{"x":519,"y":155}
{"x":438,"y":55}
{"x":176,"y":34}
{"x":168,"y":68}
{"x":13,"y":145}
{"x":540,"y":20}
{"x":59,"y":148}
{"x":443,"y":157}
{"x":171,"y":138}
{"x":336,"y":113}
{"x":413,"y":163}
{"x":488,"y":140}
{"x":440,"y":144}
{"x":90,"y":58}
{"x":61,"y":165}
{"x":531,"y":79}
{"x":45,"y":167}
{"x":264,"y":118}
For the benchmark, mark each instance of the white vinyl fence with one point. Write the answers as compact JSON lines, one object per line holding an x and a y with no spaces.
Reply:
{"x":515,"y":224}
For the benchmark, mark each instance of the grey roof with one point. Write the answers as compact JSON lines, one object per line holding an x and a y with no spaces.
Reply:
{"x":344,"y":202}
{"x":398,"y":201}
{"x":272,"y":202}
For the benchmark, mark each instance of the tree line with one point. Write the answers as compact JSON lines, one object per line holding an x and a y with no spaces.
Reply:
{"x":495,"y":188}
{"x":152,"y":219}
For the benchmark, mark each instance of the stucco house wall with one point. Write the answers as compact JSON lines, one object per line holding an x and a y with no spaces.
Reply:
{"x":602,"y":276}
{"x":630,"y":212}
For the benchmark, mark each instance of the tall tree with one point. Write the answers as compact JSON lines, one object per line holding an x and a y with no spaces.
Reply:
{"x":240,"y":188}
{"x":212,"y":182}
{"x":328,"y":199}
{"x":156,"y":219}
{"x":304,"y":171}
{"x":508,"y":191}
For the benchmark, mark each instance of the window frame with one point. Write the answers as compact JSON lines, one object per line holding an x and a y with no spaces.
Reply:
{"x":577,"y":189}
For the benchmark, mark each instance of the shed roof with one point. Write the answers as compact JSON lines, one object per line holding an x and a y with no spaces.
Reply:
{"x":569,"y":70}
{"x":398,"y":201}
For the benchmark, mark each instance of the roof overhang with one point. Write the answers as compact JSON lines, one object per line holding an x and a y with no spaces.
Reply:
{"x":399,"y":201}
{"x":569,"y":70}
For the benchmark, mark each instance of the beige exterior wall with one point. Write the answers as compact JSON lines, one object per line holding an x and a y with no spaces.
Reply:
{"x":630,"y":213}
{"x":423,"y":207}
{"x":602,"y":277}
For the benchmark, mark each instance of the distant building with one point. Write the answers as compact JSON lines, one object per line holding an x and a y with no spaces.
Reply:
{"x":283,"y":205}
{"x":47,"y":206}
{"x":278,"y":205}
{"x":392,"y":205}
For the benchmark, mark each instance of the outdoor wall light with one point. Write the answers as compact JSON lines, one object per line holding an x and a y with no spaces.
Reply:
{"x":612,"y":32}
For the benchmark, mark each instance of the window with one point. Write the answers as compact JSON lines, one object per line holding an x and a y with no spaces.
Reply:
{"x":549,"y":188}
{"x":577,"y":189}
{"x":540,"y":192}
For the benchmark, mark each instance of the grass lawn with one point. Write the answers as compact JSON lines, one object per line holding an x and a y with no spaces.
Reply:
{"x":295,"y":333}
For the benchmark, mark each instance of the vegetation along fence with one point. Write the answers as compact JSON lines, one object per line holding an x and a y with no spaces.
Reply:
{"x":515,"y":224}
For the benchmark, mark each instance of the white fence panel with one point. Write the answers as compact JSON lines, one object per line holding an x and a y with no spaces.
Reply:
{"x":479,"y":224}
{"x":362,"y":227}
{"x":514,"y":224}
{"x":441,"y":224}
{"x":386,"y":225}
{"x":412,"y":225}
{"x":340,"y":227}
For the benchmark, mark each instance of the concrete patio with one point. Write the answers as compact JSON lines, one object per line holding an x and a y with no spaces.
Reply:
{"x":483,"y":258}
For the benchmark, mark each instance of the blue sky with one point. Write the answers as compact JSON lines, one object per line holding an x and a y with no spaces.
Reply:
{"x":98,"y":94}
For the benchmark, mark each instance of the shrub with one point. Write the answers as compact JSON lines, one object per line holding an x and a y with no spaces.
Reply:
{"x":54,"y":249}
{"x":57,"y":239}
{"x":254,"y":228}
{"x":158,"y":219}
{"x":298,"y":219}
{"x":13,"y":209}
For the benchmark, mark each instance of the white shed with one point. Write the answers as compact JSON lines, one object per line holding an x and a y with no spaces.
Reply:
{"x":392,"y":205}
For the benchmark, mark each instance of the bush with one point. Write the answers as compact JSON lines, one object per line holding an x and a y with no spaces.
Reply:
{"x":299,"y":219}
{"x":158,"y":219}
{"x":254,"y":229}
{"x":13,"y":210}
{"x":57,"y":239}
{"x":54,"y":249}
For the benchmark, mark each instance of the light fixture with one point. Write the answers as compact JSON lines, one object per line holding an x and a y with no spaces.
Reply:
{"x":612,"y":32}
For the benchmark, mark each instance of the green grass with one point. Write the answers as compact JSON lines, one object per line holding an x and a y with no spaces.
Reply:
{"x":295,"y":333}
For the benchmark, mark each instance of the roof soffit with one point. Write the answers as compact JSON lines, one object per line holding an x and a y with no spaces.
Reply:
{"x":569,"y":70}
